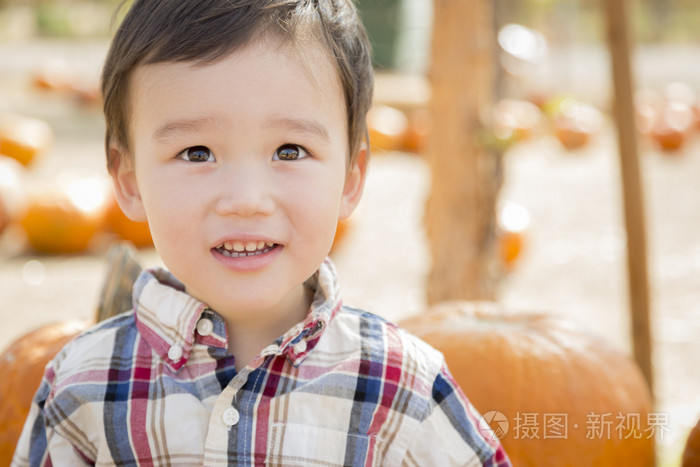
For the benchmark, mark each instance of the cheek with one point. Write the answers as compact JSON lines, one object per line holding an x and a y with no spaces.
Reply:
{"x":165,"y":203}
{"x":317,"y":213}
{"x":321,"y":196}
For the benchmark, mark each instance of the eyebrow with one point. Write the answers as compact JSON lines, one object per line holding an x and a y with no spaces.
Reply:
{"x":312,"y":127}
{"x":175,"y":127}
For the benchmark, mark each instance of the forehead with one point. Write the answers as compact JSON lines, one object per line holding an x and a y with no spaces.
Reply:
{"x":264,"y":77}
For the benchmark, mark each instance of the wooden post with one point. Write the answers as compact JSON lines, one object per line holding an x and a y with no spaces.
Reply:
{"x":618,"y":38}
{"x":460,"y":210}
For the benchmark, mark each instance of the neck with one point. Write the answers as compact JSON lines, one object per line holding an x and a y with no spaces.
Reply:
{"x":248,"y":336}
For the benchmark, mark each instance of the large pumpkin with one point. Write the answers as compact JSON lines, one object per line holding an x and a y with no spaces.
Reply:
{"x":22,"y":366}
{"x":556,"y":396}
{"x":65,"y":215}
{"x":691,"y":455}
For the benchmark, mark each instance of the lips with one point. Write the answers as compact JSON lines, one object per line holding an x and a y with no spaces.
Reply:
{"x":239,"y":249}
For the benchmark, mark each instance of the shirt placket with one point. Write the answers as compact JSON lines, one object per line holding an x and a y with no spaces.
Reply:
{"x":226,"y":413}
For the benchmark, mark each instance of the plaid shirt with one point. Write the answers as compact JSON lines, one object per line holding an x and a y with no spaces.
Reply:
{"x":157,"y":386}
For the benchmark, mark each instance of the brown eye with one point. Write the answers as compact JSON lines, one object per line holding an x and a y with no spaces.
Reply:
{"x":289,"y":152}
{"x":197,"y":154}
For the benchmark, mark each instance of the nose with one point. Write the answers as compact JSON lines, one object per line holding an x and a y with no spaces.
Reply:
{"x":245,"y":191}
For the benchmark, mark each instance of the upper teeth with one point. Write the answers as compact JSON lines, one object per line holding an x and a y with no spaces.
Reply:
{"x":240,"y":247}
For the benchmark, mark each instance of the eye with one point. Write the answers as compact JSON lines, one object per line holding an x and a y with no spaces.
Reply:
{"x":290,"y":152}
{"x":197,"y":154}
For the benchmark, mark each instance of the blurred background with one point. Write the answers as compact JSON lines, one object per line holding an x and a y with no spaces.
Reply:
{"x":559,"y":224}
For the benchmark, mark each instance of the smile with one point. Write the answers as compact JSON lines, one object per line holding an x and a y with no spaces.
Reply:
{"x":243,"y":249}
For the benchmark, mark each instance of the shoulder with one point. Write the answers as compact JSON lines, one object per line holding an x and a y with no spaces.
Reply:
{"x":90,"y":355}
{"x":96,"y":338}
{"x":382,"y":341}
{"x":373,"y":326}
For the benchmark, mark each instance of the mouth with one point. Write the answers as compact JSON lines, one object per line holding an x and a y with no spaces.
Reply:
{"x":239,"y":249}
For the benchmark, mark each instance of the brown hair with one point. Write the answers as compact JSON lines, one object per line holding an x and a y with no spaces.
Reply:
{"x":204,"y":31}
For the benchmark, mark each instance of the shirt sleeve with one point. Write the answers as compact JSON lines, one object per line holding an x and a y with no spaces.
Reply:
{"x":449,"y":435}
{"x":39,"y":445}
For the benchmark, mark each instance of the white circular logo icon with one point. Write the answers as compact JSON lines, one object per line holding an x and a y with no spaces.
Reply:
{"x":493,"y":425}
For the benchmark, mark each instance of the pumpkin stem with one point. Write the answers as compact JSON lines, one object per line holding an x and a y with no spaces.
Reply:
{"x":122,"y":270}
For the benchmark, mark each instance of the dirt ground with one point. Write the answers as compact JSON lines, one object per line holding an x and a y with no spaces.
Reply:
{"x":573,"y":265}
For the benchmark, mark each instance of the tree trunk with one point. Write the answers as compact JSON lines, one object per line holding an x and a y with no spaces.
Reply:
{"x":466,"y":176}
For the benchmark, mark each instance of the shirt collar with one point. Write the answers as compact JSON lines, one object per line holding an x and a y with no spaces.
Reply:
{"x":167,"y":317}
{"x":299,"y":341}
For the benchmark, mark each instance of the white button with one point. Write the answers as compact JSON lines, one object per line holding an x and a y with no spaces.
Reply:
{"x":300,"y":347}
{"x":205,"y":327}
{"x":230,"y":416}
{"x":175,"y":353}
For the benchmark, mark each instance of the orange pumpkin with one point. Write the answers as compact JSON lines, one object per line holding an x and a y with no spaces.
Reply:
{"x":668,"y":139}
{"x":53,"y":75}
{"x":387,"y":127}
{"x":416,"y":136}
{"x":554,"y":394}
{"x":574,"y":122}
{"x":517,"y":117}
{"x":512,"y":222}
{"x":23,"y":138}
{"x":63,"y":217}
{"x":116,"y":221}
{"x":691,"y":455}
{"x":571,"y":137}
{"x":672,"y":126}
{"x":511,"y":245}
{"x":22,"y":366}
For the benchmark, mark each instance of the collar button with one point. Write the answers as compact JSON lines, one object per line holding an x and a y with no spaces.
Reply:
{"x":205,"y":327}
{"x":300,"y":347}
{"x":175,"y":352}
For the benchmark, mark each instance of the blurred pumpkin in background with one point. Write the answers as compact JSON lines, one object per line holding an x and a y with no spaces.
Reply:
{"x":116,"y":221}
{"x":671,"y":126}
{"x":574,"y":122}
{"x":64,"y":215}
{"x":53,"y":74}
{"x":387,"y":127}
{"x":667,"y":138}
{"x":519,"y":117}
{"x":12,"y":191}
{"x":512,"y":223}
{"x":22,"y":367}
{"x":58,"y":76}
{"x":23,"y":138}
{"x":667,"y":117}
{"x":416,"y":136}
{"x":518,"y":368}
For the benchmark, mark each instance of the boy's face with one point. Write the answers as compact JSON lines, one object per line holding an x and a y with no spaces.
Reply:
{"x":249,"y":153}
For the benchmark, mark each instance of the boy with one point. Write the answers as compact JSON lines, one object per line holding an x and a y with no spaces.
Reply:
{"x":235,"y":128}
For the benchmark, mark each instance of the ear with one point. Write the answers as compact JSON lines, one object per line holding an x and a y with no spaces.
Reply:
{"x":126,"y":189}
{"x":354,"y":183}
